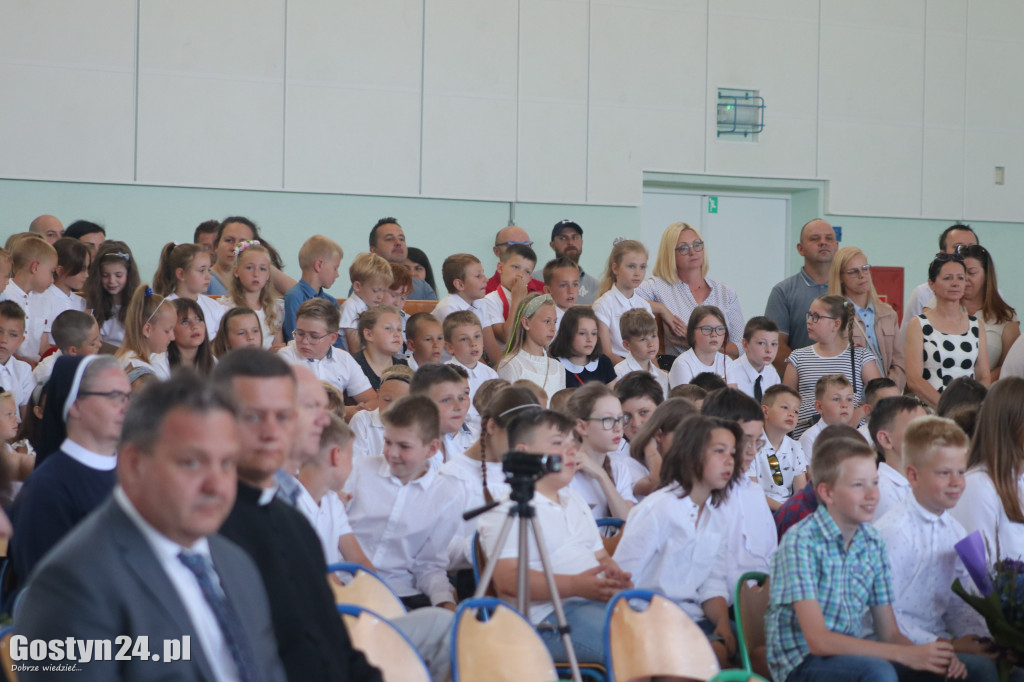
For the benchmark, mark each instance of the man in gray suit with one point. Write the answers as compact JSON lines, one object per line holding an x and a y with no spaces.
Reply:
{"x":148,"y":562}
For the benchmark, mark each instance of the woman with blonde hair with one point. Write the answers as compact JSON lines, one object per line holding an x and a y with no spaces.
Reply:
{"x":680,"y":284}
{"x":876,"y":325}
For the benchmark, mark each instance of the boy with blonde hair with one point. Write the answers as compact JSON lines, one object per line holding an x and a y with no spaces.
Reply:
{"x":639,"y":332}
{"x":424,"y":339}
{"x":371,"y":276}
{"x":834,"y":401}
{"x":33,"y":261}
{"x":920,"y":537}
{"x":829,"y":571}
{"x":319,"y":259}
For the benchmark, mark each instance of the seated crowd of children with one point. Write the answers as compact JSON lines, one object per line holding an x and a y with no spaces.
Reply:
{"x":718,"y":467}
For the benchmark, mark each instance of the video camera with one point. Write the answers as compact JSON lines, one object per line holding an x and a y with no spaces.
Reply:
{"x":532,"y":465}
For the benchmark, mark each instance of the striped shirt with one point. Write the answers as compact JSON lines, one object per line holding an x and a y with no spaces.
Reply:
{"x":813,"y":563}
{"x":810,"y":367}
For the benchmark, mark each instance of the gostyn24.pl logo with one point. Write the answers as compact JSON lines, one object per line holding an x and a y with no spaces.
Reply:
{"x":66,"y":654}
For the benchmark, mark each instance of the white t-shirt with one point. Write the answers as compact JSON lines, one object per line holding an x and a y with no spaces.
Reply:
{"x":351,"y":309}
{"x":610,"y":307}
{"x":687,"y":365}
{"x":590,"y":489}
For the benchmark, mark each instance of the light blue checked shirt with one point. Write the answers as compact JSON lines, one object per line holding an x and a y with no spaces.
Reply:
{"x":812,"y":563}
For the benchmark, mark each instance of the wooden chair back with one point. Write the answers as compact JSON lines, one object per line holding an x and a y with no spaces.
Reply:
{"x":751,"y":604}
{"x":502,"y":648}
{"x":658,"y":641}
{"x":384,"y":646}
{"x":365,"y":590}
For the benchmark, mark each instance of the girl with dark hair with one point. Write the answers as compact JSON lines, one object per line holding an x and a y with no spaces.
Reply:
{"x":191,"y":344}
{"x":944,"y":342}
{"x":830,"y":326}
{"x":233,"y":230}
{"x":577,"y":346}
{"x":604,"y":483}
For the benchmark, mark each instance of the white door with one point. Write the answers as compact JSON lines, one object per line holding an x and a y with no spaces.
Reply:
{"x":746,"y":239}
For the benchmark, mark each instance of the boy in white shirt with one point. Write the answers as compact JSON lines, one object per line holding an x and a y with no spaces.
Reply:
{"x":515,"y":272}
{"x":75,"y":333}
{"x":887,"y":423}
{"x":371,"y":277}
{"x":447,"y":386}
{"x":366,"y":424}
{"x":562,"y":281}
{"x":753,"y":372}
{"x":586,"y":575}
{"x":639,"y":332}
{"x":316,"y":330}
{"x":875,"y":390}
{"x":403,"y":512}
{"x":834,"y":401}
{"x":322,"y":477}
{"x":464,"y":340}
{"x":424,"y":339}
{"x":15,"y":375}
{"x":751,"y":536}
{"x":780,"y":467}
{"x":34,"y":262}
{"x":920,"y":535}
{"x":466,"y":282}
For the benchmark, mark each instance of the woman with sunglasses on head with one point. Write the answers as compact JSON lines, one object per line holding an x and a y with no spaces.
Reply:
{"x":680,"y":284}
{"x":943,"y":343}
{"x":875,"y":324}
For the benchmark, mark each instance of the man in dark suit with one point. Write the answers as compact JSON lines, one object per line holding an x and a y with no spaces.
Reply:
{"x":148,"y":561}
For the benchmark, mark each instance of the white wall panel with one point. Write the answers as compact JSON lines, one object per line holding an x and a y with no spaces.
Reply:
{"x":353,"y":112}
{"x":211,"y":93}
{"x":986,"y":200}
{"x":469,"y":104}
{"x":647,"y":96}
{"x":997,"y":20}
{"x":871,"y":103}
{"x":553,"y":59}
{"x":775,"y":52}
{"x":68,"y":91}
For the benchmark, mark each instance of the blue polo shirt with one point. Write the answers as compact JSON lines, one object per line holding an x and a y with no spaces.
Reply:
{"x":788,"y":305}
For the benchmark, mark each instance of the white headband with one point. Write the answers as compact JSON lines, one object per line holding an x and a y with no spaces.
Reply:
{"x":76,"y":383}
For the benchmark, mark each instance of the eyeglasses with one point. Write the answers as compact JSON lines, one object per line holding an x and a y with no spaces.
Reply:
{"x":698,"y":247}
{"x":514,"y":243}
{"x":756,"y":443}
{"x":708,"y":330}
{"x":119,"y":397}
{"x":944,"y":257}
{"x":191,"y":321}
{"x":609,"y":423}
{"x":864,"y":270}
{"x":814,"y":317}
{"x":303,"y":336}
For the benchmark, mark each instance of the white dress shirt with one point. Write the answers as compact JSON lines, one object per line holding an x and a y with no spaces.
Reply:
{"x":477,"y":376}
{"x":752,"y":536}
{"x":368,"y":430}
{"x":610,"y":307}
{"x":892,"y":489}
{"x":924,"y":564}
{"x":810,"y":435}
{"x":589,"y":489}
{"x":495,"y":307}
{"x":56,"y":302}
{"x":570,"y":534}
{"x":185,"y":583}
{"x":454,"y":303}
{"x":673,"y":547}
{"x":338,"y":368}
{"x":542,"y":370}
{"x":792,"y":463}
{"x":630,"y":364}
{"x":37,"y":308}
{"x":467,"y":473}
{"x":686,"y":366}
{"x":743,"y":375}
{"x":328,"y":519}
{"x":16,"y":376}
{"x":351,"y":309}
{"x":981,"y":509}
{"x":405,"y":529}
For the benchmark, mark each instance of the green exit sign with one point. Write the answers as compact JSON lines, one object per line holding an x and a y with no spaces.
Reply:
{"x":712,"y":204}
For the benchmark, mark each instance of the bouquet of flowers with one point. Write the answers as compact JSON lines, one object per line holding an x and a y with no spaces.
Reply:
{"x":1001,"y":599}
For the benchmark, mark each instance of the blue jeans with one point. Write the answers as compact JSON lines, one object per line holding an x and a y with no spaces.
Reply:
{"x":981,"y":669}
{"x":586,"y":621}
{"x":855,"y":669}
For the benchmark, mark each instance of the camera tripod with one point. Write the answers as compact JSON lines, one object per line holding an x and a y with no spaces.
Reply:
{"x":522,"y":509}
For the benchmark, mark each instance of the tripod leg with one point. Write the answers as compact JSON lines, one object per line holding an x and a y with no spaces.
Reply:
{"x":523,"y":576}
{"x":492,"y":561}
{"x":556,"y":600}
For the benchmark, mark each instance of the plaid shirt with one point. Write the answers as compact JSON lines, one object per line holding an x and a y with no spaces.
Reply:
{"x":812,"y":563}
{"x":799,"y":506}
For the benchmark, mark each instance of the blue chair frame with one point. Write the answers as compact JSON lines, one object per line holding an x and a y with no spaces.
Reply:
{"x":356,"y":611}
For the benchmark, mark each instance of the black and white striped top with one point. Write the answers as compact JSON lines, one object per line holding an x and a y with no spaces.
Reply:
{"x":810,"y":367}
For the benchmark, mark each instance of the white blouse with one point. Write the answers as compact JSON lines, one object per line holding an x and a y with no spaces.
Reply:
{"x":981,"y":509}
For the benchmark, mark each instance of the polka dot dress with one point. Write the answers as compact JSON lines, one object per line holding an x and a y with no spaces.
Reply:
{"x":948,"y":356}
